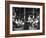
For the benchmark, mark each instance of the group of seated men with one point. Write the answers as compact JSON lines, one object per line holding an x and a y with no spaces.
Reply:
{"x":26,"y":24}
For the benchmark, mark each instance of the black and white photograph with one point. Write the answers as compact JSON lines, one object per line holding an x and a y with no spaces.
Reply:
{"x":25,"y":18}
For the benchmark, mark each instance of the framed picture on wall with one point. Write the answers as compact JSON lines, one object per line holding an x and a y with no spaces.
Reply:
{"x":24,"y":19}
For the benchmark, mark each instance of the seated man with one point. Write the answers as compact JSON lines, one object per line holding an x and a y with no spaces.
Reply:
{"x":36,"y":23}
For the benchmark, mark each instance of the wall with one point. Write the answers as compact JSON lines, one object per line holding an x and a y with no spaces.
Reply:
{"x":2,"y":19}
{"x":28,"y":0}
